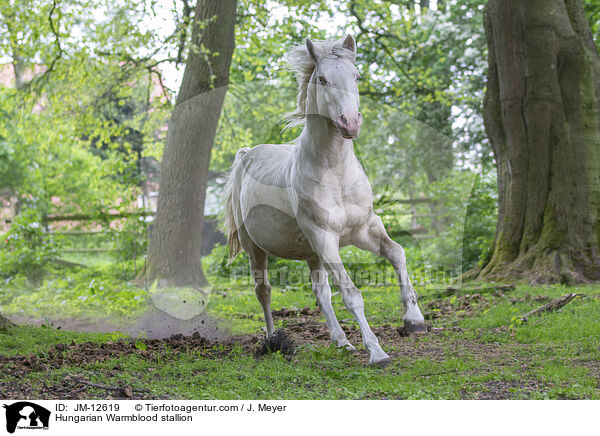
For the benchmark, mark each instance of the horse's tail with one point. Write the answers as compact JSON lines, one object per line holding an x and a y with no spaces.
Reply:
{"x":231,"y":227}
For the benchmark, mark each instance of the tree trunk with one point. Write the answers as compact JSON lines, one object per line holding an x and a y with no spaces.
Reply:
{"x":19,"y":69}
{"x":542,"y":115}
{"x":175,"y":245}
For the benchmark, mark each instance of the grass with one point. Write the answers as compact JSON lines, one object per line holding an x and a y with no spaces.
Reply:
{"x":480,"y":350}
{"x":23,"y":340}
{"x":321,"y":373}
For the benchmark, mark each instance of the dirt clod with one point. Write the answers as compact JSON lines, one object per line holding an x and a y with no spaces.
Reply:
{"x":280,"y":341}
{"x":126,"y":391}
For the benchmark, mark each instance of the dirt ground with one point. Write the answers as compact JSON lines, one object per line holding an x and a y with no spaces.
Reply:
{"x":302,"y":327}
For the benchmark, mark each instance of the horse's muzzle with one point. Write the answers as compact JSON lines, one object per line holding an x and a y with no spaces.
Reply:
{"x":349,"y":125}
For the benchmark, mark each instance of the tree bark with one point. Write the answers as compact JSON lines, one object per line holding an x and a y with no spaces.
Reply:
{"x":542,"y":116}
{"x":174,"y":252}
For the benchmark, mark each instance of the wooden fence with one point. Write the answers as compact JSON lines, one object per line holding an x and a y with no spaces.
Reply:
{"x":415,"y":231}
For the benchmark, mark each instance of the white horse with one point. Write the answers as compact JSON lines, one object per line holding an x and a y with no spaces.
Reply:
{"x":306,"y":199}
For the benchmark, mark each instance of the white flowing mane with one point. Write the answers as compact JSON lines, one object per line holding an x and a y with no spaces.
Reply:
{"x":302,"y":65}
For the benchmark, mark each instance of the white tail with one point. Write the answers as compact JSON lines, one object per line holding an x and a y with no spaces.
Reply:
{"x":231,"y":227}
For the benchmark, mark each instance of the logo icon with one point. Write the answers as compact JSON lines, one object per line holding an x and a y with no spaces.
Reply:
{"x":26,"y":415}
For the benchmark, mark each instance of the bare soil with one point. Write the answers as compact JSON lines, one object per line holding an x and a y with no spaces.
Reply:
{"x":303,"y":327}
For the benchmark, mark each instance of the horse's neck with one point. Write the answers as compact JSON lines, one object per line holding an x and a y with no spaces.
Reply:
{"x":323,"y":145}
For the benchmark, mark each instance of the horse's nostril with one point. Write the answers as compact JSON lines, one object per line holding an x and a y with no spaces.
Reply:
{"x":343,"y":118}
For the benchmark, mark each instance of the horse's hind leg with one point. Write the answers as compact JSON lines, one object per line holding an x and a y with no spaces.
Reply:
{"x":322,"y":291}
{"x":262,"y":287}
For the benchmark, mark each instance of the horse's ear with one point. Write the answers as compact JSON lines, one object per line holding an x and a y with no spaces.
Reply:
{"x":313,"y":51}
{"x":349,"y":43}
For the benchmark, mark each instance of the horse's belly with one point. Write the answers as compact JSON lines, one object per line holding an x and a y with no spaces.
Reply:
{"x":277,"y":233}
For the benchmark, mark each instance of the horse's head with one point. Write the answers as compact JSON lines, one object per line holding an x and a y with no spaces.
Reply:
{"x":333,"y":84}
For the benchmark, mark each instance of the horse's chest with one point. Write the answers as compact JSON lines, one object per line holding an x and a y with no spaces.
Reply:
{"x":357,"y":203}
{"x":341,"y":208}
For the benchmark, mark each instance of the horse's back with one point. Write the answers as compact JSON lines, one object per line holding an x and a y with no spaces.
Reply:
{"x":269,"y":164}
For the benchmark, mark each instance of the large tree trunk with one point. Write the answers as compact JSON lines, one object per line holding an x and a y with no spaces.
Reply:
{"x":542,"y":115}
{"x":175,"y":246}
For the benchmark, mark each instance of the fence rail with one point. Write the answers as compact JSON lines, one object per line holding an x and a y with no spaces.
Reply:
{"x":85,"y":250}
{"x":88,"y":217}
{"x":416,"y":231}
{"x":386,"y":200}
{"x":98,"y":217}
{"x":78,"y":232}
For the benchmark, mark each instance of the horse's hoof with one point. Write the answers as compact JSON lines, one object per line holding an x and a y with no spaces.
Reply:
{"x":381,"y":363}
{"x":415,"y":328}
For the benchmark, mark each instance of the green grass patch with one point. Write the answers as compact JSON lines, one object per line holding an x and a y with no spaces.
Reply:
{"x":32,"y":340}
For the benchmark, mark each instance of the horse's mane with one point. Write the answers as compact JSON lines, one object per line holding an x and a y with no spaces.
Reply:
{"x":302,"y":65}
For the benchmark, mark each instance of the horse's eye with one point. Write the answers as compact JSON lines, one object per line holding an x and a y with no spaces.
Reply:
{"x":358,"y":77}
{"x":322,"y":80}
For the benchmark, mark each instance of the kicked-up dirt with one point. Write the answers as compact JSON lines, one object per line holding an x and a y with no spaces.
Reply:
{"x":302,"y":327}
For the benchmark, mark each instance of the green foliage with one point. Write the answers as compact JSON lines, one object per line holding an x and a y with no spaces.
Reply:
{"x":467,"y":205}
{"x":92,"y":111}
{"x":93,"y":294}
{"x":130,"y":242}
{"x":215,"y":263}
{"x":27,"y":248}
{"x":480,"y":222}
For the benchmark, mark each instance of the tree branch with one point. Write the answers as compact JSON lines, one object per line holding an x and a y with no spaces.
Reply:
{"x":59,"y":50}
{"x":124,"y":391}
{"x":377,"y":40}
{"x":550,"y":307}
{"x":187,"y":12}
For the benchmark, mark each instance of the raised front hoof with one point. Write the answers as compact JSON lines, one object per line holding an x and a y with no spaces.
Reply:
{"x":415,"y":328}
{"x":380,"y":363}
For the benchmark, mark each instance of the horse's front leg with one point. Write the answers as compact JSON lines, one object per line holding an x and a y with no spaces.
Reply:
{"x":373,"y":237}
{"x":326,"y":246}
{"x":322,"y":293}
